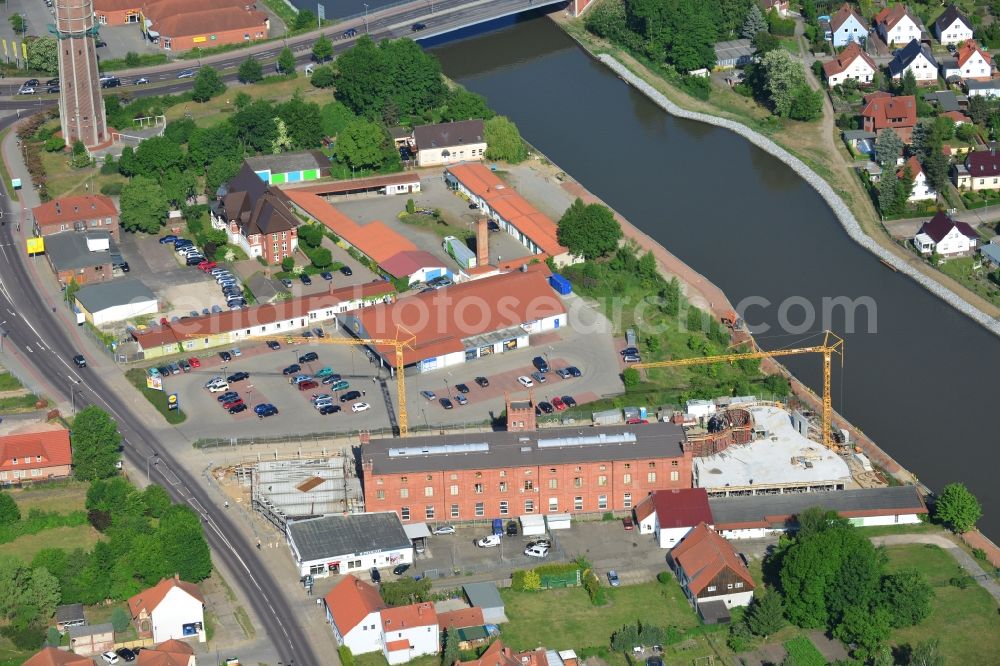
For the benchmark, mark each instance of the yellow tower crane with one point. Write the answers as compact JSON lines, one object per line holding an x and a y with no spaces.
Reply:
{"x":832,"y":344}
{"x":399,"y":343}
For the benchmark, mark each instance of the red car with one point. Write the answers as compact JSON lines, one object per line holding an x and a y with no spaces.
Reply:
{"x":195,"y":363}
{"x":307,"y":385}
{"x":627,"y":522}
{"x":558,"y":404}
{"x":207,"y":265}
{"x":232,"y":403}
{"x":636,"y":421}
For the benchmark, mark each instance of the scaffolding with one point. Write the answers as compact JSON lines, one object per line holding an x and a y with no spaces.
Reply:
{"x":283,"y":490}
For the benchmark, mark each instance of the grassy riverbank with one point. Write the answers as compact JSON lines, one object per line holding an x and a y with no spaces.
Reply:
{"x":816,"y":143}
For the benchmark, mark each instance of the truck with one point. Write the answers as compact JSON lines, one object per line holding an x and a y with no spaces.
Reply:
{"x":498,"y":526}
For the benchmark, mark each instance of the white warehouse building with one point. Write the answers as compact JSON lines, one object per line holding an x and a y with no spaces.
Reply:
{"x":344,"y":544}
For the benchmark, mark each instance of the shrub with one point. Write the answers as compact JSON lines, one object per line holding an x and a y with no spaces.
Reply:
{"x":979,"y":554}
{"x":961,"y":582}
{"x":664,"y":578}
{"x":112,"y":189}
{"x":592,"y":584}
{"x":287,"y":264}
{"x":30,"y":637}
{"x":346,"y":656}
{"x":119,"y":619}
{"x":54,"y":144}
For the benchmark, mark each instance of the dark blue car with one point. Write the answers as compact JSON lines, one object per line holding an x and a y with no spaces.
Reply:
{"x":168,"y":239}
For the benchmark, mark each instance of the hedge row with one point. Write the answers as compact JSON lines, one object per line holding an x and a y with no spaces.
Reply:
{"x":39,"y":521}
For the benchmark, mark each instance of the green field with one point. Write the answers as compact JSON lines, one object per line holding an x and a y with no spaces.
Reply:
{"x":965,"y":621}
{"x":62,"y":498}
{"x":8,"y":382}
{"x":66,"y":538}
{"x":137,"y":376}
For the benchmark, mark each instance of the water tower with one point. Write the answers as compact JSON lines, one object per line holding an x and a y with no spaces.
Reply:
{"x":81,"y":108}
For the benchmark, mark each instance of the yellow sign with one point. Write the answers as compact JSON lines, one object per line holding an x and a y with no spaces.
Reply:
{"x":155,"y":383}
{"x":4,"y":46}
{"x":24,"y":50}
{"x":198,"y":40}
{"x":13,"y":48}
{"x":36,"y":245}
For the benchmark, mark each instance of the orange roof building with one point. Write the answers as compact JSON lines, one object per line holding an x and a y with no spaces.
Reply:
{"x":502,"y":203}
{"x":464,"y":321}
{"x":711,"y":573}
{"x":168,"y":653}
{"x":180,"y":25}
{"x":352,"y":609}
{"x":78,"y":213}
{"x":171,"y":609}
{"x":461,"y":618}
{"x":851,"y":63}
{"x":882,"y":111}
{"x":409,"y":632}
{"x":41,"y":452}
{"x":50,"y":656}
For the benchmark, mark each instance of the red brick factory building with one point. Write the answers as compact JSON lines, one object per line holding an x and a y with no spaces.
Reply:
{"x":479,"y":476}
{"x":180,"y":25}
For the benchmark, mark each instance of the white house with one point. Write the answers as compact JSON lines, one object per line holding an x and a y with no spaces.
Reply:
{"x":342,"y":544}
{"x":847,"y":26}
{"x":171,"y":609}
{"x":409,"y":632}
{"x":945,"y":237}
{"x":989,"y":88}
{"x":670,"y":514}
{"x":352,"y":610}
{"x":449,"y":143}
{"x":914,"y":57}
{"x":952,"y":27}
{"x":118,"y":300}
{"x":897,"y":25}
{"x":851,"y":63}
{"x":921,"y":191}
{"x":970,"y":62}
{"x":712,"y":575}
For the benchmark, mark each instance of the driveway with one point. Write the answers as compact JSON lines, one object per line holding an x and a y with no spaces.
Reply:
{"x":964,"y":560}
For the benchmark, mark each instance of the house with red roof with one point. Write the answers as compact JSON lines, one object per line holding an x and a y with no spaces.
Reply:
{"x":980,"y":171}
{"x":946,"y":237}
{"x":712,"y":575}
{"x":851,"y":63}
{"x":921,"y":190}
{"x":41,"y":452}
{"x":970,"y":62}
{"x":898,"y":25}
{"x":409,"y":632}
{"x":416,"y":266}
{"x":670,"y":514}
{"x":883,"y":111}
{"x":168,"y":653}
{"x":50,"y":656}
{"x":85,"y":212}
{"x":171,"y":609}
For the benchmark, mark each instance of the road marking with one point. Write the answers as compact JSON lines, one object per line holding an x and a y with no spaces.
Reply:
{"x":30,"y":350}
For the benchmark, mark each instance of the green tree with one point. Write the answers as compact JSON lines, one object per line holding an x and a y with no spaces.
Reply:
{"x":321,"y":258}
{"x":206,"y":144}
{"x":362,"y":145}
{"x":18,"y":23}
{"x":322,"y":49}
{"x":287,"y":264}
{"x":936,"y":168}
{"x":867,"y":629}
{"x":753,"y":23}
{"x":286,"y":62}
{"x":207,"y":85}
{"x":184,"y":548}
{"x":908,"y":594}
{"x":766,"y":614}
{"x":907,"y":84}
{"x":250,"y":71}
{"x":156,"y":155}
{"x":630,"y":377}
{"x":255,"y":126}
{"x":157,"y":500}
{"x":126,"y":162}
{"x":310,"y":235}
{"x":95,"y":440}
{"x":926,"y":653}
{"x":335,"y":116}
{"x":807,"y":104}
{"x":451,"y":652}
{"x":888,"y":147}
{"x":465,"y":105}
{"x":177,"y":186}
{"x":957,"y":508}
{"x":43,"y":54}
{"x":220,"y":170}
{"x":179,"y":131}
{"x":589,"y":230}
{"x":303,"y":120}
{"x":888,"y":194}
{"x":323,"y":77}
{"x":120,"y":619}
{"x":41,"y":597}
{"x":503,"y":141}
{"x":784,"y":76}
{"x":143,"y":205}
{"x":764,"y":43}
{"x":304,"y":20}
{"x":81,"y":158}
{"x":9,"y":511}
{"x":966,"y":131}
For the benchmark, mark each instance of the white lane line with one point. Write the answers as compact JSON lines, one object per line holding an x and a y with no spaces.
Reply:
{"x":30,"y":350}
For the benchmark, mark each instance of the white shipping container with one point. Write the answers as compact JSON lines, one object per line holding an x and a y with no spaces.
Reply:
{"x":532,"y":525}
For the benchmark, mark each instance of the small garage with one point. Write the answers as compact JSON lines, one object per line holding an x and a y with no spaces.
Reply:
{"x":417,"y":533}
{"x":558,"y":521}
{"x":532,"y":525}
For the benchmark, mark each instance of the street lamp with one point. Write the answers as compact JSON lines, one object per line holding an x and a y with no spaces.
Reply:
{"x":156,"y":455}
{"x":72,"y":393}
{"x":366,"y":18}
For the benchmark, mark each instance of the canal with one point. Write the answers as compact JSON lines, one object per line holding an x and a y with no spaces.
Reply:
{"x":922,"y":384}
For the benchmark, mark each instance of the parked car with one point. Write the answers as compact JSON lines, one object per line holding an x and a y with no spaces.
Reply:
{"x":461,"y":399}
{"x":558,"y":404}
{"x":629,"y":350}
{"x":346,"y":270}
{"x":329,"y":409}
{"x":298,"y":379}
{"x":326,"y":275}
{"x":232,"y":403}
{"x":525,"y":381}
{"x":569,"y":401}
{"x":376,"y":576}
{"x":540,"y":542}
{"x":350,"y":395}
{"x":400,"y":569}
{"x":446,"y":403}
{"x":125,"y":654}
{"x":292,"y":369}
{"x":540,"y":364}
{"x":483,"y":382}
{"x":305,"y":279}
{"x":331,"y":379}
{"x":174,"y":369}
{"x":214,"y":380}
{"x":545,"y":408}
{"x":511,"y":528}
{"x":274,"y":345}
{"x":195,"y":363}
{"x":109,"y":657}
{"x":492,"y":226}
{"x":225,"y":356}
{"x":286,"y":283}
{"x":52,"y":89}
{"x":237,"y":377}
{"x":627,"y":523}
{"x":461,"y":388}
{"x":308,"y":385}
{"x":429,"y":395}
{"x":169,"y":238}
{"x":340,"y":385}
{"x":324,"y":372}
{"x":360,"y":407}
{"x":538,"y":377}
{"x":574,"y":371}
{"x":613,"y":578}
{"x":218,"y":388}
{"x":309,"y":357}
{"x":636,"y":421}
{"x":632,"y":358}
{"x":26,"y":90}
{"x":491,"y":541}
{"x":237,"y":408}
{"x":236,"y":351}
{"x":444,"y":529}
{"x":265,"y":410}
{"x":185,"y":366}
{"x":537,"y":551}
{"x":207,"y":265}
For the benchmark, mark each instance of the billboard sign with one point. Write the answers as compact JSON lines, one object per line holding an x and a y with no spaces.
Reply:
{"x":36,"y":245}
{"x":155,"y":383}
{"x":172,"y":402}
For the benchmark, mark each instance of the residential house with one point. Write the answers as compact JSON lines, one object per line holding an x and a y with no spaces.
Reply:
{"x":41,"y":452}
{"x":486,"y":597}
{"x":416,"y":266}
{"x":70,"y":615}
{"x":921,"y":190}
{"x":958,"y":117}
{"x":78,"y":213}
{"x":946,"y":237}
{"x":847,"y":26}
{"x":449,"y":143}
{"x":712,"y":575}
{"x":860,"y":141}
{"x":851,"y":63}
{"x":91,"y":638}
{"x":883,"y":111}
{"x":970,"y":62}
{"x":670,"y":514}
{"x":467,"y":625}
{"x":980,"y":171}
{"x":409,"y":632}
{"x":917,"y":59}
{"x":256,"y":217}
{"x":297,"y":167}
{"x":779,"y":6}
{"x":168,"y":653}
{"x":946,"y":100}
{"x":50,"y":656}
{"x":952,"y":27}
{"x":898,"y":25}
{"x":171,"y":609}
{"x":989,"y":88}
{"x":352,"y":610}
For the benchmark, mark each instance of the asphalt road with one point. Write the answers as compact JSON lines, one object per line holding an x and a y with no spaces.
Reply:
{"x":33,"y":328}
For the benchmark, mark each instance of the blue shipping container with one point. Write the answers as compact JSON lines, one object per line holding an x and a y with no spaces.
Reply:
{"x":560,"y":284}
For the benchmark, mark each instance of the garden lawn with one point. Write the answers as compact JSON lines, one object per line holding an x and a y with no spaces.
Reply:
{"x":565,"y":619}
{"x":137,"y":376}
{"x":9,"y":382}
{"x":976,"y":281}
{"x":378,"y":659}
{"x":66,"y":538}
{"x":63,"y":180}
{"x":965,"y":621}
{"x":19,"y":403}
{"x":63,"y":498}
{"x":215,"y":110}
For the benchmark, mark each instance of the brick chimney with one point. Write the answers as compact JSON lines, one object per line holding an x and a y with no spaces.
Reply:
{"x":482,"y":243}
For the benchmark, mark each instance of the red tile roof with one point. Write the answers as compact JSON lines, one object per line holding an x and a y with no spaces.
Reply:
{"x":257,"y":315}
{"x":167,"y":653}
{"x":407,"y":263}
{"x":150,"y":598}
{"x":395,"y":646}
{"x":892,"y":112}
{"x":51,"y":656}
{"x":845,"y":58}
{"x":398,"y":618}
{"x":703,"y":554}
{"x":116,"y":5}
{"x":890,"y":16}
{"x":969,"y":49}
{"x":74,"y":209}
{"x":351,"y":601}
{"x":915,"y":169}
{"x":52,"y":446}
{"x":846,"y":11}
{"x":685,"y":507}
{"x":375,"y":239}
{"x":459,"y":619}
{"x":441,"y":319}
{"x":159,"y":9}
{"x":497,"y":654}
{"x":209,"y":21}
{"x":509,"y":205}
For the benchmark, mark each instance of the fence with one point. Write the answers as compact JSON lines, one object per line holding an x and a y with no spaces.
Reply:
{"x":336,"y":438}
